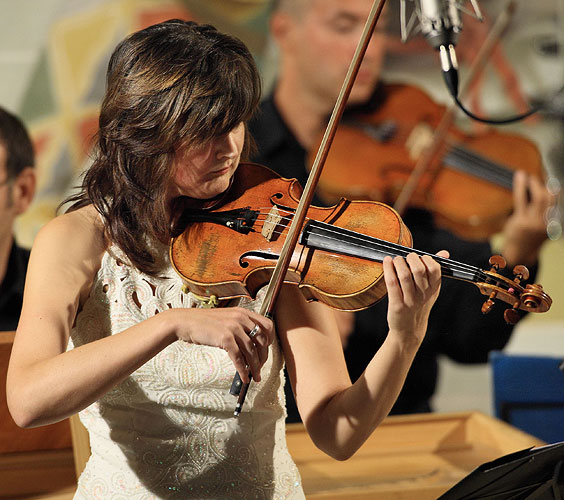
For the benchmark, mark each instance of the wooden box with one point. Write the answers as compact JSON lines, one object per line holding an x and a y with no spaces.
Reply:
{"x":413,"y":457}
{"x":32,"y":461}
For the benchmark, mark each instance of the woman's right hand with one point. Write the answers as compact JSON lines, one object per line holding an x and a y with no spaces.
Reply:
{"x":228,"y":328}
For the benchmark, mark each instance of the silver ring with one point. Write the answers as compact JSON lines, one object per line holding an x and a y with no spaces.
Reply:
{"x":254,"y":331}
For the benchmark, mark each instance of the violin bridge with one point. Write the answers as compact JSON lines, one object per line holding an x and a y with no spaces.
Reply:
{"x":419,"y":139}
{"x":270,"y":223}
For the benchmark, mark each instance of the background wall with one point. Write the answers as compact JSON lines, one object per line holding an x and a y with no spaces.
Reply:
{"x":53,"y":55}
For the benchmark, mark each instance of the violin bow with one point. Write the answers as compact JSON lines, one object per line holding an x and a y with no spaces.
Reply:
{"x":283,"y":263}
{"x":426,"y":159}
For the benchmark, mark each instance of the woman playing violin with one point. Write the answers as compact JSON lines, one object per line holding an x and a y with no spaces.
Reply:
{"x":107,"y":331}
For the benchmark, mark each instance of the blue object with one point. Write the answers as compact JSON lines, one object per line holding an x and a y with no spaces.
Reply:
{"x":529,"y":394}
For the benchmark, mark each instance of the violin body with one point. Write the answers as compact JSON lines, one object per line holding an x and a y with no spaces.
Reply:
{"x":468,"y":183}
{"x":244,"y":262}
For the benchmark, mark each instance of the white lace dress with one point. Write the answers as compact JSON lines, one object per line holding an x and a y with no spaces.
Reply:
{"x":168,"y":430}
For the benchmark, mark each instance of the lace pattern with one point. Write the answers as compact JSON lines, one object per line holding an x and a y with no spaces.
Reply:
{"x":167,"y":431}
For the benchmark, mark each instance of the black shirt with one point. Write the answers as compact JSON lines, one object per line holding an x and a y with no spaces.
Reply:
{"x":457,"y":328}
{"x":277,"y":147}
{"x":11,"y":289}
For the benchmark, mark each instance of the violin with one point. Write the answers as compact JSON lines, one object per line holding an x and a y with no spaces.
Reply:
{"x":467,"y":185}
{"x":229,"y":250}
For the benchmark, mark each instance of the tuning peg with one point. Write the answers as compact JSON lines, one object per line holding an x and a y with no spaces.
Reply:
{"x":497,"y":262}
{"x":521,"y":273}
{"x":489,"y":303}
{"x":511,"y":316}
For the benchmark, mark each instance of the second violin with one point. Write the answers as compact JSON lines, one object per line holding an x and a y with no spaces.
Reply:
{"x":468,"y":183}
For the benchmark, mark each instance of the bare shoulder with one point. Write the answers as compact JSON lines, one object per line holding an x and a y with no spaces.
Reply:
{"x":79,"y":233}
{"x":70,"y":246}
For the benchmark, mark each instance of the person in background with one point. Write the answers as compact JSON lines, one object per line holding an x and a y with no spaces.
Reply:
{"x":17,"y":188}
{"x":147,"y":365}
{"x":316,"y":41}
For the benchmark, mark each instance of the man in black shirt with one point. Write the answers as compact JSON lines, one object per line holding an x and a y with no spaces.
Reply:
{"x":317,"y":39}
{"x":17,"y":187}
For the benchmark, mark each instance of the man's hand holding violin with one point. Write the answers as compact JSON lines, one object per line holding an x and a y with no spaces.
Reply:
{"x":525,"y":229}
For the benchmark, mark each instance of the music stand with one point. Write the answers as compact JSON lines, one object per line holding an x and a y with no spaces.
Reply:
{"x":531,"y":474}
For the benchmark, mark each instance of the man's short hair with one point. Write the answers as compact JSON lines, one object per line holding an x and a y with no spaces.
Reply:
{"x":15,"y":139}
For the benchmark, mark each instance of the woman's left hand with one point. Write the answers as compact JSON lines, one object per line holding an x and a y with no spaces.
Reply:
{"x":413,"y":285}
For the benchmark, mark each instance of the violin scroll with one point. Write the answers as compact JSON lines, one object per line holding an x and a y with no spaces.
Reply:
{"x":534,"y":297}
{"x":529,"y":298}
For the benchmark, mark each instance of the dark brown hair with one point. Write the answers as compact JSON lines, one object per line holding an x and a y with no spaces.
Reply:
{"x":171,"y":84}
{"x":15,"y":139}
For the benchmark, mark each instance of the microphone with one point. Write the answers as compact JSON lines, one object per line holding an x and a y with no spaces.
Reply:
{"x":440,"y":23}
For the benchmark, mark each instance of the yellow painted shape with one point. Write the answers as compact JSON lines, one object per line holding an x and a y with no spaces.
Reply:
{"x":78,"y":44}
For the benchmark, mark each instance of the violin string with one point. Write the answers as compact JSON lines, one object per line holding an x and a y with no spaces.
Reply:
{"x":399,"y":250}
{"x":369,"y":243}
{"x":458,"y":157}
{"x":483,"y":168}
{"x":339,"y":231}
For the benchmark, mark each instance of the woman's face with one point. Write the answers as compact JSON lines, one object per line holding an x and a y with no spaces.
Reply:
{"x":205,"y":172}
